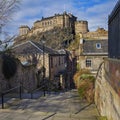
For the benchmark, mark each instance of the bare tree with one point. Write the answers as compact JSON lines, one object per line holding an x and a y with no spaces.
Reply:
{"x":7,"y":8}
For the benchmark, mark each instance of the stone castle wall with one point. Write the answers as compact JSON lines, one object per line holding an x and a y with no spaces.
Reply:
{"x":81,"y":27}
{"x":107,"y":89}
{"x":58,"y":20}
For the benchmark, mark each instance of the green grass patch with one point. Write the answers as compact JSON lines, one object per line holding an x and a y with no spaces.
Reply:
{"x":102,"y":118}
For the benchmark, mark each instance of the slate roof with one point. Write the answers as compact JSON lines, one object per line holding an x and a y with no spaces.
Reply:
{"x":89,"y":47}
{"x":31,"y":47}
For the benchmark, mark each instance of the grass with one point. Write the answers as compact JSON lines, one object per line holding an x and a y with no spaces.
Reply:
{"x":102,"y":118}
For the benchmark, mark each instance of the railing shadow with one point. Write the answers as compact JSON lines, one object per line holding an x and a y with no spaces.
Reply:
{"x":83,"y":108}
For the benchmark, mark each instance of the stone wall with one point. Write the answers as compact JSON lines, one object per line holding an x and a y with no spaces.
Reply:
{"x":26,"y":75}
{"x":100,"y":34}
{"x":81,"y":27}
{"x":107,"y":89}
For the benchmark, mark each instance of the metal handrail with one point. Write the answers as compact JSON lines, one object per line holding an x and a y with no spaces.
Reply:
{"x":20,"y":92}
{"x":99,"y":68}
{"x":8,"y":91}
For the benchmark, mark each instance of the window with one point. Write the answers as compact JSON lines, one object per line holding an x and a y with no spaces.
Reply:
{"x":88,"y":63}
{"x":43,"y":24}
{"x":98,"y":45}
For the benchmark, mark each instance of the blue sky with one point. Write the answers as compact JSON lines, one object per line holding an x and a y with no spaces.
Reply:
{"x":94,"y":11}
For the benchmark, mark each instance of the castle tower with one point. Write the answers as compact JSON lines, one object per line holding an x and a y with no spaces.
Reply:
{"x":81,"y":27}
{"x":24,"y":29}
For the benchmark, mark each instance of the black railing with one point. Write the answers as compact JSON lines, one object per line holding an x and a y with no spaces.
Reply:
{"x":20,"y":87}
{"x":8,"y":91}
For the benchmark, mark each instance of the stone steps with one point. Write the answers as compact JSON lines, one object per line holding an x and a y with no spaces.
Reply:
{"x":62,"y":106}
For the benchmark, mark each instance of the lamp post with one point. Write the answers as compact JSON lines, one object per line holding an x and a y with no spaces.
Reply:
{"x":43,"y":42}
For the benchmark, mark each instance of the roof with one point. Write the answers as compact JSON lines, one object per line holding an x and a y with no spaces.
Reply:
{"x":46,"y":49}
{"x":31,"y":47}
{"x":90,"y":47}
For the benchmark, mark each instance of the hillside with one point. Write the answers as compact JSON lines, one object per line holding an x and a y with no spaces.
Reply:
{"x":56,"y":38}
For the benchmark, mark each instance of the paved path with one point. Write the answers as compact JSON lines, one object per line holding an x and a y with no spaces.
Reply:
{"x":63,"y":106}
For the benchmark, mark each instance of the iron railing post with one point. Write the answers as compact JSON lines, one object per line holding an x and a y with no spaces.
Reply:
{"x":31,"y":95}
{"x":20,"y":92}
{"x":2,"y":101}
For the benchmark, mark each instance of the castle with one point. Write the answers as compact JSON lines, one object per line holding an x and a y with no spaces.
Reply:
{"x":65,"y":20}
{"x":60,"y":21}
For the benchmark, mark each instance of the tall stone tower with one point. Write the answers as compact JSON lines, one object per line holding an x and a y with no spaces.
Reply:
{"x":81,"y":27}
{"x":24,"y":29}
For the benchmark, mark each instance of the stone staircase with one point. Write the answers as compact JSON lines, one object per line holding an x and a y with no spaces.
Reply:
{"x":62,"y":106}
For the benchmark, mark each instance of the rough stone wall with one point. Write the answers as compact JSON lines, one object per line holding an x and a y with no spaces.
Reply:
{"x":26,"y":75}
{"x":107,"y":92}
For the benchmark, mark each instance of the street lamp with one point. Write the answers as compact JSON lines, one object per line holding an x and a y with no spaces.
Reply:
{"x":43,"y":42}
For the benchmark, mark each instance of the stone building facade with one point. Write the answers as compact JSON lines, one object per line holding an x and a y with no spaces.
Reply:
{"x":92,"y":53}
{"x":34,"y":53}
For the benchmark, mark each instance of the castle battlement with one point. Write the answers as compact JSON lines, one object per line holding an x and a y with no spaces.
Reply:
{"x":82,"y":21}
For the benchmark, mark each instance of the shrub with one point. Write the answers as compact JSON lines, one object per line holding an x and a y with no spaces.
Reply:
{"x":9,"y":66}
{"x":102,"y":118}
{"x":86,"y":87}
{"x":78,"y":74}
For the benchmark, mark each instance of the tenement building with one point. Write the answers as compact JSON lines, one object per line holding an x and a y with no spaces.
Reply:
{"x":92,"y":54}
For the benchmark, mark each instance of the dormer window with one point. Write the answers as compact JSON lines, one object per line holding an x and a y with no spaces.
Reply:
{"x":98,"y":45}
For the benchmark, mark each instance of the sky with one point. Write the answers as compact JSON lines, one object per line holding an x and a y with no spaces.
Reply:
{"x":96,"y":12}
